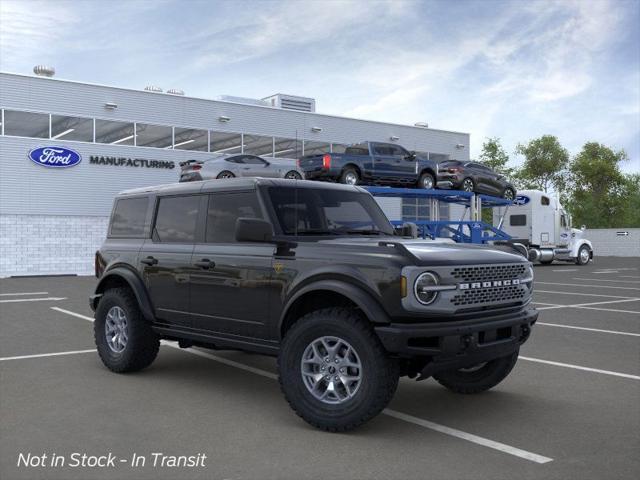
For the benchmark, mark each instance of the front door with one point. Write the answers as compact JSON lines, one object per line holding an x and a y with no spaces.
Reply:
{"x":165,"y":260}
{"x":231,"y":281}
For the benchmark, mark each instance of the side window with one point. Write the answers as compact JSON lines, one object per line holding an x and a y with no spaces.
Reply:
{"x":253,"y":160}
{"x":224,"y":210}
{"x":563,"y":221}
{"x":128,"y":217}
{"x":239,"y":159}
{"x":176,"y":219}
{"x":398,"y":151}
{"x":518,"y":220}
{"x":544,"y":200}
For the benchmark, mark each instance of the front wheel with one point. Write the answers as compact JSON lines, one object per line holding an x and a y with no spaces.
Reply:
{"x":584,"y":255}
{"x":467,"y":185}
{"x":478,"y":378}
{"x":509,"y":194}
{"x":333,"y":370}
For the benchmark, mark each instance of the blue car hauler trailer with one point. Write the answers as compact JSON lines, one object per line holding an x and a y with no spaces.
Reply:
{"x":473,"y":230}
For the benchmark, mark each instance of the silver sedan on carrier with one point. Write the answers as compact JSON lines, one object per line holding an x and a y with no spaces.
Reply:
{"x":243,"y":165}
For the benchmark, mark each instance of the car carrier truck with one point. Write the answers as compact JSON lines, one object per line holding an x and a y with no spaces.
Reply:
{"x":538,"y":221}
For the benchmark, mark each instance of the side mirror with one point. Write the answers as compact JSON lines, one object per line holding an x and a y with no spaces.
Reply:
{"x":253,"y":230}
{"x":411,"y":156}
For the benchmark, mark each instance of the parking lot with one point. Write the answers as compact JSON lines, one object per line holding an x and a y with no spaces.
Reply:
{"x":570,"y":408}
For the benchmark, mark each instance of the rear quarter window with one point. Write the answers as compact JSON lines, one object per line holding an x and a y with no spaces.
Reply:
{"x":128,"y":217}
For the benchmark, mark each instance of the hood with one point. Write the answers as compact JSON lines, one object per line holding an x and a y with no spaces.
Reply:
{"x":434,"y":253}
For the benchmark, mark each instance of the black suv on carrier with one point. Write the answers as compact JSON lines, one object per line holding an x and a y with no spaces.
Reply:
{"x":314,"y":274}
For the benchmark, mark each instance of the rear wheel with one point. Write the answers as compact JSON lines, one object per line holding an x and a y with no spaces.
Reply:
{"x":293,"y":175}
{"x":426,"y":181}
{"x":225,"y":174}
{"x":467,"y":185}
{"x":333,"y":370}
{"x":584,"y":255}
{"x":478,"y":378}
{"x":349,"y":176}
{"x":125,"y":341}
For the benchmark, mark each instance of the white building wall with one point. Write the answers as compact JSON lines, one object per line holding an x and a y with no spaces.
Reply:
{"x":50,"y":244}
{"x":608,"y":242}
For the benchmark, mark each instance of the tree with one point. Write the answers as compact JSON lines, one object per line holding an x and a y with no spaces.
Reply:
{"x":544,"y":165}
{"x":599,"y":194}
{"x":495,"y":157}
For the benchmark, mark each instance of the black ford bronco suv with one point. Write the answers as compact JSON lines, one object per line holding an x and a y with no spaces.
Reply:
{"x":314,"y":274}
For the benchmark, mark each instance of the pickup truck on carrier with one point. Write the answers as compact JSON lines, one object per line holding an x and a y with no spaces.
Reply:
{"x":372,"y":162}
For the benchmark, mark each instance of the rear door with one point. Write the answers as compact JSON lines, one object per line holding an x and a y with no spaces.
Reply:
{"x":165,"y":259}
{"x":383,"y":161}
{"x":230,"y":281}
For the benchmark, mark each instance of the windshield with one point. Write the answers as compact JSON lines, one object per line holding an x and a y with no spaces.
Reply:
{"x":315,"y":211}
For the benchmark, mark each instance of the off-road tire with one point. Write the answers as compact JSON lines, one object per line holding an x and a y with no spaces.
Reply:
{"x":490,"y":375}
{"x":380,"y":373}
{"x":345,"y":175}
{"x":142,"y":344}
{"x":424,"y":177}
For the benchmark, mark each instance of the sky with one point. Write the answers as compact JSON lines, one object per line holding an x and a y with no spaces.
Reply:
{"x":509,"y":69}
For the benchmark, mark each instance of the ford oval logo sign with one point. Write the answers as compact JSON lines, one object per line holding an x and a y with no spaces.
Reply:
{"x":55,"y":157}
{"x":521,"y":200}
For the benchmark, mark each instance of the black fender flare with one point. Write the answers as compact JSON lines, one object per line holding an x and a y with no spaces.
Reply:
{"x":135,"y":283}
{"x":363,"y":300}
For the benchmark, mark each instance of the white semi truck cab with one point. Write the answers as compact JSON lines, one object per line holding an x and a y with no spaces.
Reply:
{"x":538,"y":221}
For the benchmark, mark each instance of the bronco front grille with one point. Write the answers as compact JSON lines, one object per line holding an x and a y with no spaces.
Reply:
{"x":513,"y":293}
{"x":488,"y":272}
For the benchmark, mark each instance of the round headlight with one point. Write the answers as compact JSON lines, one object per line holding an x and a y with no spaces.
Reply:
{"x":423,"y":288}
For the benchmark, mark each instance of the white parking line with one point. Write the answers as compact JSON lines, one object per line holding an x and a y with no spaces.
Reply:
{"x":40,"y":355}
{"x":533,"y":457}
{"x":47,"y":299}
{"x":611,"y":310}
{"x":629,"y":276}
{"x":584,"y":285}
{"x":587,"y":305}
{"x":567,"y":270}
{"x":584,"y":294}
{"x":615,"y":332}
{"x":603,"y":280}
{"x":579,"y":367}
{"x":22,"y":293}
{"x":468,"y":437}
{"x":74,"y":314}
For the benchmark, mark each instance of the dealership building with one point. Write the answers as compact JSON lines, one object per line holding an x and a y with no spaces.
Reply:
{"x":53,"y":219}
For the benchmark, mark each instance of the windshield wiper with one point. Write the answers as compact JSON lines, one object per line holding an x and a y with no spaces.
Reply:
{"x":315,"y":232}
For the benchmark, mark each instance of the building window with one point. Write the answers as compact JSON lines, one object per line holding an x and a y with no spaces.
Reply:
{"x":115,"y":133}
{"x":156,"y":136}
{"x":287,"y":148}
{"x":191,"y":139}
{"x":316,"y":148}
{"x":228,"y":143}
{"x":258,"y":145}
{"x":26,"y":124}
{"x":71,"y":128}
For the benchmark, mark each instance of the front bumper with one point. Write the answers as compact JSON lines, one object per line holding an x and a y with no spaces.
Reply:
{"x":458,"y":344}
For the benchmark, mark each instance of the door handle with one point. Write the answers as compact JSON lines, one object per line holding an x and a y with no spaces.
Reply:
{"x":149,"y":260}
{"x":205,"y":263}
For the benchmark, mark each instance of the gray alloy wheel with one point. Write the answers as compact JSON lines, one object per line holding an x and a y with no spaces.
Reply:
{"x":116,"y":330}
{"x":583,"y":255}
{"x":351,"y":178}
{"x":427,"y":182}
{"x":293,"y":175}
{"x":225,"y":174}
{"x":467,"y":185}
{"x":331,"y":370}
{"x":508,"y":194}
